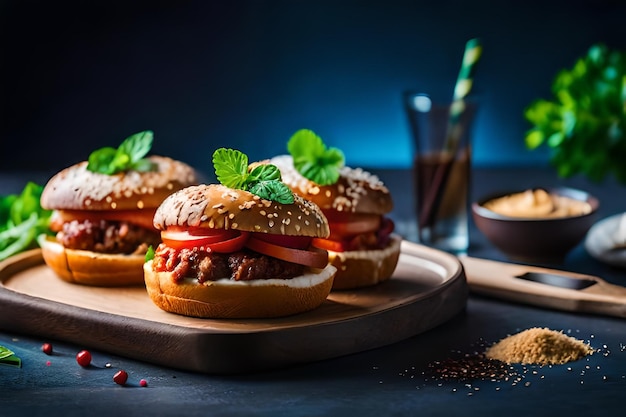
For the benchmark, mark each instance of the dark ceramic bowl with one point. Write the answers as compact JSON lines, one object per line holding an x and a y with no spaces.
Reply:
{"x":544,"y":240}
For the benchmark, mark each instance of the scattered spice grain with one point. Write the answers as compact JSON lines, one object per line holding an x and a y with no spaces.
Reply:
{"x":539,"y":346}
{"x":471,"y":367}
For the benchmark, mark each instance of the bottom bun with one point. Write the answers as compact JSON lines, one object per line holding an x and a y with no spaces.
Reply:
{"x":239,"y":299}
{"x":92,"y":268}
{"x":364,"y":268}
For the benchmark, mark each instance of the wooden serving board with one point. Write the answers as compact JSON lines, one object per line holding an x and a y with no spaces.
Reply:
{"x":428,"y":288}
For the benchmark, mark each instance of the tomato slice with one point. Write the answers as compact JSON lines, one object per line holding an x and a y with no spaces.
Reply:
{"x":362,"y":241}
{"x":297,"y":242}
{"x":331,"y":245}
{"x":143,"y":217}
{"x":354,"y":224}
{"x":309,"y":257}
{"x":191,"y":233}
{"x":386,"y":228}
{"x":217,"y":240}
{"x":231,"y":245}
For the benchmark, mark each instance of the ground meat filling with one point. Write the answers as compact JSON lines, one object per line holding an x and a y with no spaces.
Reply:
{"x":245,"y":265}
{"x":105,"y":236}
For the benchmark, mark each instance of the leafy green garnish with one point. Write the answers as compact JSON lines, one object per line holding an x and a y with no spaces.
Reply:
{"x":585,"y":124}
{"x":7,"y":357}
{"x":264,"y":180}
{"x":129,"y":156}
{"x":21,"y":220}
{"x":149,"y":254}
{"x":313,"y":159}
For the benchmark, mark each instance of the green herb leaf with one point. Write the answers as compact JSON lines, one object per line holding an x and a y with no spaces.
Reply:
{"x":232,"y":170}
{"x":128,"y":156}
{"x":272,"y":190}
{"x":7,"y":357}
{"x":137,"y":146}
{"x":584,"y":125}
{"x":21,"y":220}
{"x":101,"y":161}
{"x":5,"y":352}
{"x":231,"y":167}
{"x":313,"y":159}
{"x":149,"y":254}
{"x":264,"y":172}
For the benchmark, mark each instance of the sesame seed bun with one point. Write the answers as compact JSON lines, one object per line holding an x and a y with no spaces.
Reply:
{"x":215,"y":206}
{"x":92,"y":268}
{"x":356,"y":191}
{"x":364,"y":268}
{"x":76,"y":188}
{"x":359,"y":192}
{"x":264,"y":298}
{"x":76,"y":193}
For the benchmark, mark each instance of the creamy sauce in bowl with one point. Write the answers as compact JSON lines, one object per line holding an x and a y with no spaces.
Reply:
{"x":537,"y":203}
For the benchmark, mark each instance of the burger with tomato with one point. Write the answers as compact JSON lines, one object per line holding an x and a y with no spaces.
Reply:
{"x":239,"y":249}
{"x":103,"y":210}
{"x":361,"y":244}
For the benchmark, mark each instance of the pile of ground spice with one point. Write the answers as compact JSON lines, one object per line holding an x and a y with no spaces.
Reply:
{"x":539,"y":346}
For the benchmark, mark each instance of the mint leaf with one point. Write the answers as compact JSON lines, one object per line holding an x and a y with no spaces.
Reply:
{"x":272,"y":190}
{"x":128,"y":156}
{"x":305,"y":144}
{"x":313,"y":159}
{"x":137,"y":146}
{"x":100,"y":161}
{"x":264,"y":172}
{"x":231,"y":168}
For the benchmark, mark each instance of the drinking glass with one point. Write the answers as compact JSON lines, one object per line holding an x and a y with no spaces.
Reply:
{"x":442,"y":171}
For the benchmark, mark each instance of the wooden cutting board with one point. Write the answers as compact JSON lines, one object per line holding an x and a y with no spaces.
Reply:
{"x":545,"y":287}
{"x":428,"y":288}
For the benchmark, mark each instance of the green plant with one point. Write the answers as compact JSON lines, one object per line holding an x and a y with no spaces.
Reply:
{"x":21,"y":220}
{"x":585,"y":124}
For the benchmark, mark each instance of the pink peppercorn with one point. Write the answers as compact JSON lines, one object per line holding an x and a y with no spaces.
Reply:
{"x":46,"y":348}
{"x":83,"y":358}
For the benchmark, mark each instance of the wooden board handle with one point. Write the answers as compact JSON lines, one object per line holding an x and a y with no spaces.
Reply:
{"x":500,"y":279}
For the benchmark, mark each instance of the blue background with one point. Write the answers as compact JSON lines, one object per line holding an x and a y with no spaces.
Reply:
{"x":78,"y":75}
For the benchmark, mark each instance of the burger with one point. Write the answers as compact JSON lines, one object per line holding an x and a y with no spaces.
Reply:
{"x":102,"y":215}
{"x":239,"y":249}
{"x":361,"y":244}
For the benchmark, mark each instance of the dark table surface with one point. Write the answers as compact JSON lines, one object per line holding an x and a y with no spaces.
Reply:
{"x":386,"y":381}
